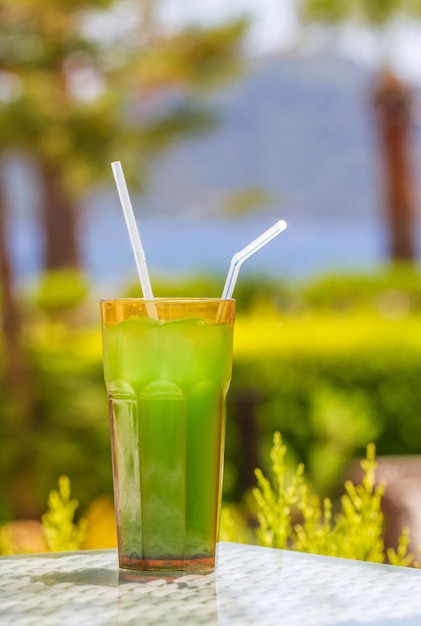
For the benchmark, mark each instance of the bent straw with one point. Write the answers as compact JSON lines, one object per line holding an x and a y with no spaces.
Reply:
{"x":138,"y":252}
{"x":239,"y":257}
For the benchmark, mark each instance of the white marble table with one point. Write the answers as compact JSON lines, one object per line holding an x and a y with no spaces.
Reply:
{"x":251,"y":586}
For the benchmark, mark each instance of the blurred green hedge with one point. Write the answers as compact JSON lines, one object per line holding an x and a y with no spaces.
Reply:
{"x":332,"y":364}
{"x":331,"y":384}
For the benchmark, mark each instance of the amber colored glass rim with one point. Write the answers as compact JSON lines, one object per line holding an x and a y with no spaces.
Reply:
{"x":212,"y":310}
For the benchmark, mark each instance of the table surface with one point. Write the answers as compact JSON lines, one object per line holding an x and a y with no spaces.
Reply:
{"x":251,"y":585}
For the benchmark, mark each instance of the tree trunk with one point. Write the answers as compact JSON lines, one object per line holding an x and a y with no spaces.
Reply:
{"x":60,"y":222}
{"x":17,"y":394}
{"x":10,"y":318}
{"x":392,"y":102}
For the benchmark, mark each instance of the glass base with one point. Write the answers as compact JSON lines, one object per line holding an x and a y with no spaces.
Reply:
{"x":199,"y":565}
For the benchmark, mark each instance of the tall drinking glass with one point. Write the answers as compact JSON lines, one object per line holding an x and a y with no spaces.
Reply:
{"x":167,"y":380}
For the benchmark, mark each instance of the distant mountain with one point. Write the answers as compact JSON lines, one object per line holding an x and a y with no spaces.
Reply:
{"x":298,"y":128}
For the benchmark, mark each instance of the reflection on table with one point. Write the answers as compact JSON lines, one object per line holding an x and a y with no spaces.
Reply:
{"x":251,"y":585}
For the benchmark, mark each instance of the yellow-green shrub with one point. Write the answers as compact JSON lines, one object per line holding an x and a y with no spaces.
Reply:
{"x":291,"y":516}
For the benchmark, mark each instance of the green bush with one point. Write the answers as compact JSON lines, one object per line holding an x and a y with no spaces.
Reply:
{"x":60,"y":291}
{"x":331,"y":383}
{"x":393,"y":290}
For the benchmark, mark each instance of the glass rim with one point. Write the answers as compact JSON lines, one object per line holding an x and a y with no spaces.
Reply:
{"x":177,"y":299}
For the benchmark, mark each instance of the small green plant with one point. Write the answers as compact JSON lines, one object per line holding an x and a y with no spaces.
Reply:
{"x":290,"y":516}
{"x":401,"y":556}
{"x":60,"y":531}
{"x":275,"y":504}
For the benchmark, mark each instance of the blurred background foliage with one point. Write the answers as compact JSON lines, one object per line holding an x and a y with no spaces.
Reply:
{"x":330,"y":368}
{"x":333,"y":362}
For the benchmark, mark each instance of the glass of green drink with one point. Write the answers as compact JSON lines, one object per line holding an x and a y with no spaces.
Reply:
{"x":167,"y":376}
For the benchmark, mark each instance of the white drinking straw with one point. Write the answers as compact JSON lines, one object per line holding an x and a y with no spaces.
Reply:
{"x":239,"y":257}
{"x":138,"y":252}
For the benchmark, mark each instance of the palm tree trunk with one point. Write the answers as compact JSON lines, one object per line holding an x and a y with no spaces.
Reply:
{"x":60,"y":221}
{"x":392,"y":102}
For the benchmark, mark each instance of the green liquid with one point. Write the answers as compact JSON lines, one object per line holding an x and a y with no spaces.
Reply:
{"x":167,"y":384}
